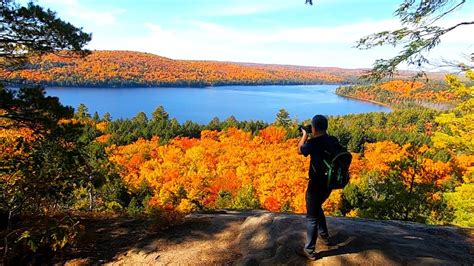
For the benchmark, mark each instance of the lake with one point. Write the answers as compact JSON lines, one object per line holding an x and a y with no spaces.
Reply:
{"x":202,"y":104}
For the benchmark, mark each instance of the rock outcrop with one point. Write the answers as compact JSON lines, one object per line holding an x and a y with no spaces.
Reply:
{"x":260,"y":237}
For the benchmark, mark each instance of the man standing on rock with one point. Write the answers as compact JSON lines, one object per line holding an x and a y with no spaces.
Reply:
{"x":317,"y":191}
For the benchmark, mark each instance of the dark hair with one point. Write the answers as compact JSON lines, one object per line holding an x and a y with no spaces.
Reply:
{"x":320,"y":122}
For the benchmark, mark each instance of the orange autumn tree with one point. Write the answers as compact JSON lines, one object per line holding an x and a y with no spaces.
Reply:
{"x":218,"y":169}
{"x":379,"y":155}
{"x":402,"y":87}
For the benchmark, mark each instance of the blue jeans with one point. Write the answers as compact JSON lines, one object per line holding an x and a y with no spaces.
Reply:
{"x":316,"y":195}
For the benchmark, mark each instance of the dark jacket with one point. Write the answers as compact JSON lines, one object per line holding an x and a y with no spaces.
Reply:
{"x":315,"y":147}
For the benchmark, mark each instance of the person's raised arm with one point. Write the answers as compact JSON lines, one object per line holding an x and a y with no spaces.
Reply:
{"x":302,"y":141}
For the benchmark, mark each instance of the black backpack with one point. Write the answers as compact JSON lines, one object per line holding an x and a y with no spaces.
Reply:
{"x":336,"y":162}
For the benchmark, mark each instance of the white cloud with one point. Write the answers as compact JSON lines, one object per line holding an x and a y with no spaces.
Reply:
{"x":307,"y":45}
{"x":101,"y":18}
{"x":84,"y":14}
{"x":208,"y":41}
{"x":458,"y":35}
{"x":345,"y":34}
{"x":316,"y":46}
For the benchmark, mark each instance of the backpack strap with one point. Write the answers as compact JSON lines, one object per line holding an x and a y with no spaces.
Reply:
{"x":340,"y":155}
{"x":325,"y":162}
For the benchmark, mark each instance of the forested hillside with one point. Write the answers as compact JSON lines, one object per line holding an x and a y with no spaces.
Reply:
{"x":129,"y":69}
{"x":132,"y":69}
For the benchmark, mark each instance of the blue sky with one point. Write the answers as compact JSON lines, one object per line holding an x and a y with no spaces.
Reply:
{"x":260,"y":31}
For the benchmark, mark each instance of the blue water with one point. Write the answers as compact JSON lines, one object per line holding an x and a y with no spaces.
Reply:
{"x":202,"y":104}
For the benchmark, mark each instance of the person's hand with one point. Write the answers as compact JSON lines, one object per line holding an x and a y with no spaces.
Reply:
{"x":304,"y":129}
{"x":303,"y":139}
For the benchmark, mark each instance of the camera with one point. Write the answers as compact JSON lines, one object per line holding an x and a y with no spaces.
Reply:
{"x":307,"y":128}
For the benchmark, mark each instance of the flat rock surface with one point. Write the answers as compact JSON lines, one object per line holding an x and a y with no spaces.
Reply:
{"x":260,"y":237}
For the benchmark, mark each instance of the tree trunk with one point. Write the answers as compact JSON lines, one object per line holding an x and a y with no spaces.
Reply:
{"x":412,"y":183}
{"x":7,"y":233}
{"x":91,"y":196}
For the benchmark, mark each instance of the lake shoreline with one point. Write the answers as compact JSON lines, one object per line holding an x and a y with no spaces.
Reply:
{"x":151,"y":86}
{"x":365,"y":100}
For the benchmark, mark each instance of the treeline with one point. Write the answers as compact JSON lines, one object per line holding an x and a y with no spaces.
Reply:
{"x":134,"y":69}
{"x":413,"y":125}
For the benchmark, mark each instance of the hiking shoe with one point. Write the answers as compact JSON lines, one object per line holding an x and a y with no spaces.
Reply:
{"x":326,"y":240}
{"x":311,"y":255}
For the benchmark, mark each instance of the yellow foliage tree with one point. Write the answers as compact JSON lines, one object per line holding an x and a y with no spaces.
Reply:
{"x":457,"y":128}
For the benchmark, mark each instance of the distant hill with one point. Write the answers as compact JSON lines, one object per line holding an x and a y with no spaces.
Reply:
{"x":134,"y":69}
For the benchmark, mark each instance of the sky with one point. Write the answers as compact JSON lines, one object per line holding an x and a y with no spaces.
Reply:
{"x":257,"y":31}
